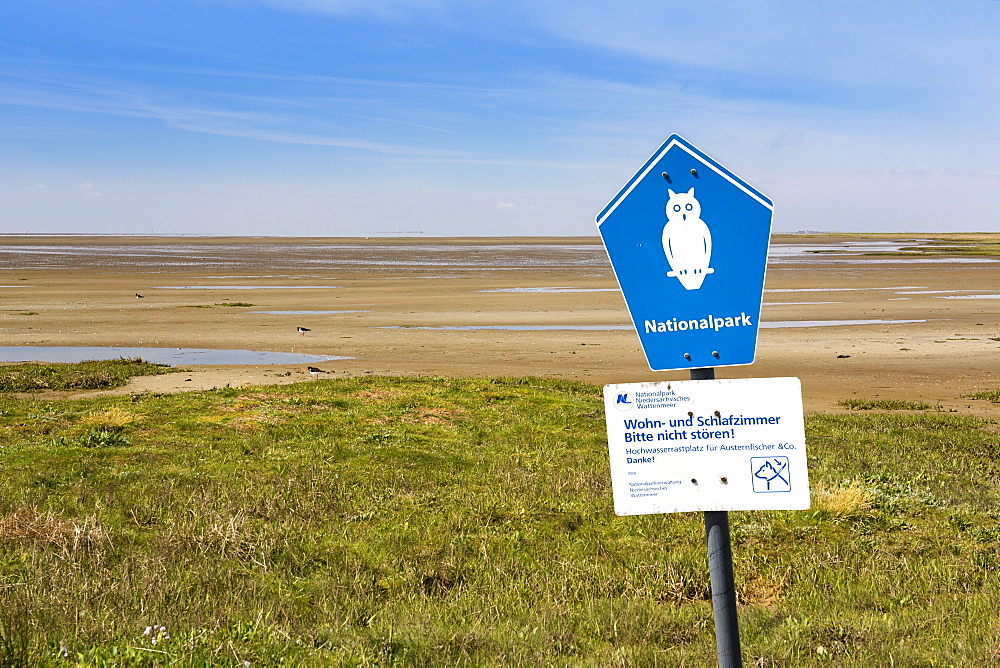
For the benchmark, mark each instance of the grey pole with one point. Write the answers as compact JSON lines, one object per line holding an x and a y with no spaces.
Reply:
{"x":720,"y":569}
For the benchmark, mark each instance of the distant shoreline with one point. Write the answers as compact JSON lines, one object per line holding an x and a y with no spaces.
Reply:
{"x":785,"y":237}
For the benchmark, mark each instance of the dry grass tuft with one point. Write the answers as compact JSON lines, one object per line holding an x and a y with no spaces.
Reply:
{"x":28,"y":525}
{"x":844,"y":502}
{"x":379,"y":394}
{"x":427,"y":417}
{"x":115,"y":417}
{"x":763,"y":591}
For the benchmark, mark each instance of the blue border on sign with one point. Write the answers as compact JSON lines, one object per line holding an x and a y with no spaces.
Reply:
{"x":677,"y":140}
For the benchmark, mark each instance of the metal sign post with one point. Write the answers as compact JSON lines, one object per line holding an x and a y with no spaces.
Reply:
{"x":720,"y":572}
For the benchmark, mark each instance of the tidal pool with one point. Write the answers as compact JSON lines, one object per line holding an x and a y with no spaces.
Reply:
{"x":555,"y":289}
{"x":901,"y":287}
{"x":171,"y":356}
{"x":516,"y":328}
{"x":779,"y":324}
{"x":970,"y":297}
{"x":776,"y":324}
{"x":242,"y":287}
{"x":933,"y":292}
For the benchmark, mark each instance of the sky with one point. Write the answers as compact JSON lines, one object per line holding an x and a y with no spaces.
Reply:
{"x":445,"y":118}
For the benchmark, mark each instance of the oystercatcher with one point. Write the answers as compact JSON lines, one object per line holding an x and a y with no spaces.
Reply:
{"x":302,"y":330}
{"x":314,"y":371}
{"x":138,"y":296}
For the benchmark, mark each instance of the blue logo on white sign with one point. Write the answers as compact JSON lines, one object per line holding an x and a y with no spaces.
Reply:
{"x":692,"y":278}
{"x":622,"y":402}
{"x":770,"y":474}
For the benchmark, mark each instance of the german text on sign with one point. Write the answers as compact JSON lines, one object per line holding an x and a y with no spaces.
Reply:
{"x":700,"y":445}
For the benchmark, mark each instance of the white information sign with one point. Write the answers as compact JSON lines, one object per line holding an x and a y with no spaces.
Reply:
{"x":700,"y":445}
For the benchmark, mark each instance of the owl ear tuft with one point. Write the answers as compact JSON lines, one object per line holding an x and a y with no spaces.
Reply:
{"x":671,"y":192}
{"x":691,"y":192}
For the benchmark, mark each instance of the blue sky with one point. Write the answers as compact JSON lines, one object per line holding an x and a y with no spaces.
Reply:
{"x":330,"y":117}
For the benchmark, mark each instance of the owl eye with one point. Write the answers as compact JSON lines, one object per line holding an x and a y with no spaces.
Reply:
{"x":677,"y":207}
{"x":688,"y":206}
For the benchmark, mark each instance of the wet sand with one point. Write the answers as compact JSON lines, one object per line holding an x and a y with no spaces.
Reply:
{"x":81,"y":291}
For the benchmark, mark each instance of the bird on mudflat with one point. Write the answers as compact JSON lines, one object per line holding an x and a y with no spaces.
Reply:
{"x":302,"y":330}
{"x":138,"y":296}
{"x":314,"y":371}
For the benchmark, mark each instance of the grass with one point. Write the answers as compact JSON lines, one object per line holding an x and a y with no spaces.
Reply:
{"x":984,"y":245}
{"x":939,"y":247}
{"x":389,"y":521}
{"x":884,"y":405}
{"x":241,"y":304}
{"x":88,"y":375}
{"x":989,"y":395}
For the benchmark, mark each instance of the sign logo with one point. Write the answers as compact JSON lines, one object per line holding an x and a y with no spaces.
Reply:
{"x":770,"y":474}
{"x":687,"y":241}
{"x":622,"y":402}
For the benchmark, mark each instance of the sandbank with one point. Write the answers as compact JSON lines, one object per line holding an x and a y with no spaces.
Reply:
{"x":387,"y":296}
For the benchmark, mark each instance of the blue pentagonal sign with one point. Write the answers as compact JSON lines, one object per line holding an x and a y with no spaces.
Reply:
{"x":688,"y":242}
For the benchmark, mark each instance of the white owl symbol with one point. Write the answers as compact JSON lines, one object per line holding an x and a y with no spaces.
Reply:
{"x":687,"y":241}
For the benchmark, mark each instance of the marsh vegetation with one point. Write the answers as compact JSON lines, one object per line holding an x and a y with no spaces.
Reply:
{"x":430,"y":521}
{"x":86,"y":375}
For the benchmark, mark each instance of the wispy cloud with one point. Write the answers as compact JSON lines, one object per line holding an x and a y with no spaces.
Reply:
{"x":87,"y":190}
{"x":253,"y":123}
{"x":534,"y":109}
{"x":108,"y":99}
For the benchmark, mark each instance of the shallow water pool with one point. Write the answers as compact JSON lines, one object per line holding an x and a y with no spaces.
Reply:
{"x":776,"y":324}
{"x":304,"y":312}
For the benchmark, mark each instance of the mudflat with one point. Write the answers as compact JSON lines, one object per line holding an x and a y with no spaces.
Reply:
{"x":911,"y":317}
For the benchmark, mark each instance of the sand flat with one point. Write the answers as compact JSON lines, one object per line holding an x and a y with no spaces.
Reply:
{"x":406,"y":306}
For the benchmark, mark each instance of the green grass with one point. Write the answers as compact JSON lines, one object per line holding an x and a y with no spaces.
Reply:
{"x":884,"y":405}
{"x":388,"y":521}
{"x":940,"y":247}
{"x":88,"y":375}
{"x":989,"y":395}
{"x":241,"y":304}
{"x":974,"y":246}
